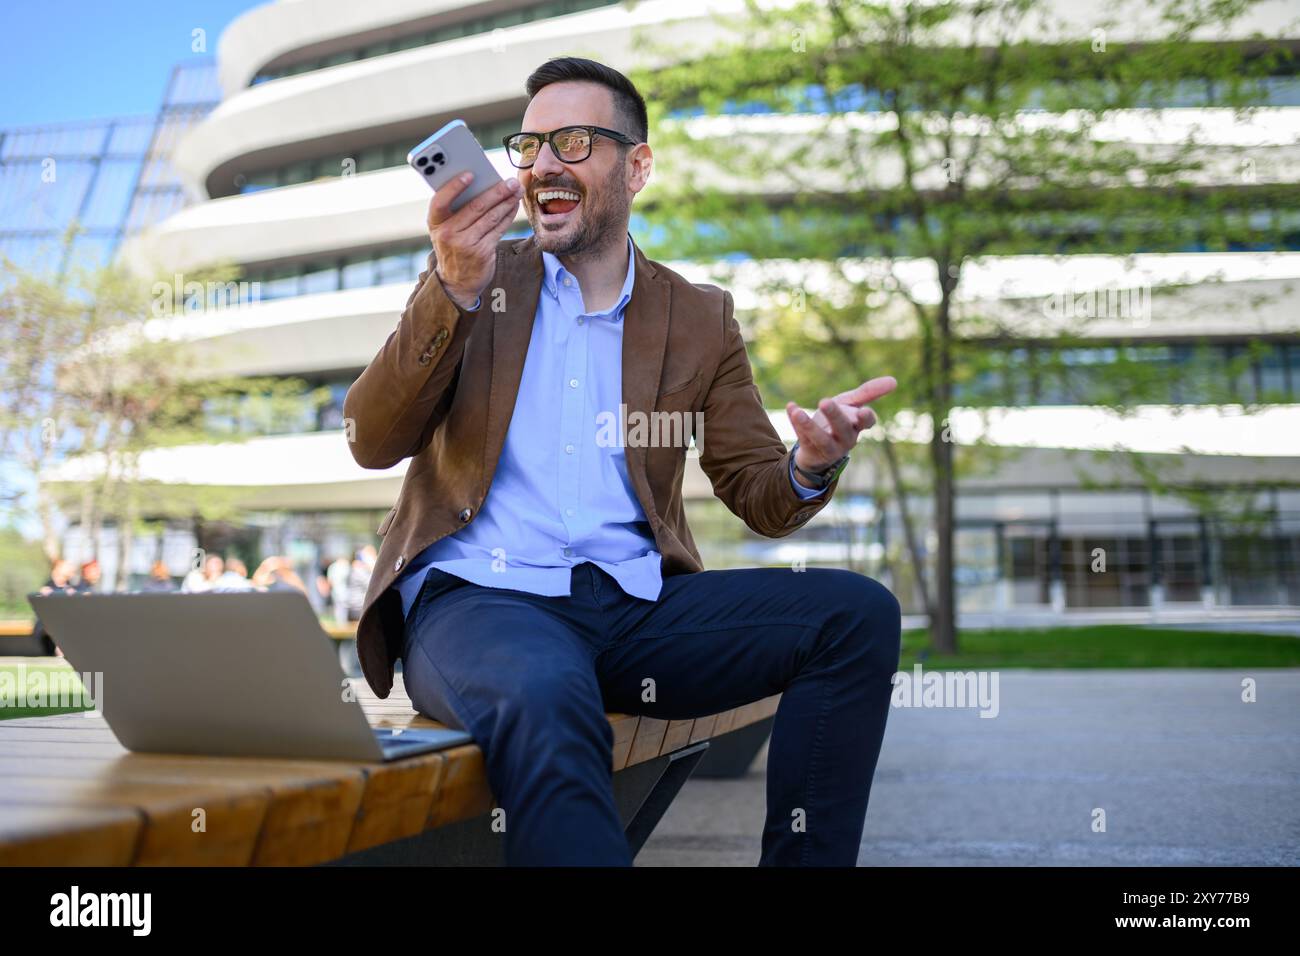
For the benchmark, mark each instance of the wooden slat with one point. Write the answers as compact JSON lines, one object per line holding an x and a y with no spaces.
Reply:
{"x":624,"y":733}
{"x":40,"y":835}
{"x":703,"y":728}
{"x":397,"y":801}
{"x":677,"y":736}
{"x":464,"y":792}
{"x":649,"y":740}
{"x":228,"y":825}
{"x":310,"y":808}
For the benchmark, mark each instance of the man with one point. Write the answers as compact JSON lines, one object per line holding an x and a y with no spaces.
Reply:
{"x":59,"y":582}
{"x":88,"y":582}
{"x":204,"y":578}
{"x":359,"y":576}
{"x":337,"y":575}
{"x":535,"y":574}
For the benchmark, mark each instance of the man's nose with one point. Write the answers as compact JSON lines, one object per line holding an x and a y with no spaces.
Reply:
{"x":547,"y":163}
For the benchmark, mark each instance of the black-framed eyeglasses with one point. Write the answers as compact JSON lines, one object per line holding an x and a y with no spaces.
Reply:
{"x":571,"y":144}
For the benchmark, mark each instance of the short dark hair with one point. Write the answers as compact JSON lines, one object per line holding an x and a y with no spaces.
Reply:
{"x":628,"y":103}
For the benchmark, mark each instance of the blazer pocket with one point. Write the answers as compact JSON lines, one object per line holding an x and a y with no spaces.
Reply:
{"x":680,"y":386}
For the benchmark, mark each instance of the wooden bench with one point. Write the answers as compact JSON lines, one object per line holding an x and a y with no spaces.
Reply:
{"x":70,"y":795}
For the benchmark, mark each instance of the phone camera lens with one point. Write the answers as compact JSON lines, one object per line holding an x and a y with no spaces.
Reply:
{"x":439,"y":158}
{"x":421,"y":161}
{"x":429,"y":170}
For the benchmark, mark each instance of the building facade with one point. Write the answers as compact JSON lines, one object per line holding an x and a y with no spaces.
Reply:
{"x":299,"y":179}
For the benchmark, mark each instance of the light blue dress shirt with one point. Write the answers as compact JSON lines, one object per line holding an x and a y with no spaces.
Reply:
{"x":558,"y":496}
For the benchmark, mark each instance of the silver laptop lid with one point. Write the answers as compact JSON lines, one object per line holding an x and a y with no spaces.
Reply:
{"x":231,"y":673}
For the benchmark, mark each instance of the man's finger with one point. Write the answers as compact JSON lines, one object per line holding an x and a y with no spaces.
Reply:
{"x":440,"y":204}
{"x":467,"y":217}
{"x":844,"y":430}
{"x":497,"y":221}
{"x":811,"y":435}
{"x":868,"y":391}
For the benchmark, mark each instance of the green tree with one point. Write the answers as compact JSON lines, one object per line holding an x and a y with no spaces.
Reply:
{"x":923,"y":139}
{"x":94,"y":374}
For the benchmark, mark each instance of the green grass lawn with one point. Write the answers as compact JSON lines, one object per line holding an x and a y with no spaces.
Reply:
{"x":59,"y":678}
{"x":1109,"y":645}
{"x":1104,"y":645}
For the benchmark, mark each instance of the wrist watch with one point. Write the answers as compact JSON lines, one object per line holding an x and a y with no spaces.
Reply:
{"x":818,"y":479}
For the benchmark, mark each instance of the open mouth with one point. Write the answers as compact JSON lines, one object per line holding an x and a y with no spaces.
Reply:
{"x":555,"y":205}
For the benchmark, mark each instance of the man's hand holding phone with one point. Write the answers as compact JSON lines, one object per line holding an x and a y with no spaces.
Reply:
{"x":466,"y":240}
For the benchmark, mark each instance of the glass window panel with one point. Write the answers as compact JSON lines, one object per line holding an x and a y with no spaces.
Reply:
{"x":321,"y":279}
{"x":359,"y":274}
{"x":1272,"y":374}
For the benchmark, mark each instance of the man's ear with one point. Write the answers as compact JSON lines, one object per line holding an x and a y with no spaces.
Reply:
{"x":642,"y":164}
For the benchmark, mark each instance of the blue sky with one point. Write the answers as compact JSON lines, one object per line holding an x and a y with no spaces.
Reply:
{"x":80,"y":59}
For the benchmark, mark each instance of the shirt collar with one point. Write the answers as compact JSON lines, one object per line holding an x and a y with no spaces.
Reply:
{"x":552,"y":267}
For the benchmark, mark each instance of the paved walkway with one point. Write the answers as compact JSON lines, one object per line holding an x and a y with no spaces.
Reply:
{"x":1186,"y":773}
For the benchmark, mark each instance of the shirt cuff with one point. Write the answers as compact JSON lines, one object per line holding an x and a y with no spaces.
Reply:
{"x":805,"y":493}
{"x":477,"y":302}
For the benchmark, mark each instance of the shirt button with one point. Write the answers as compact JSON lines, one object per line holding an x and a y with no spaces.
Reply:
{"x":568,"y":281}
{"x":573,"y":383}
{"x":581,"y":320}
{"x":397,"y":565}
{"x":568,"y":449}
{"x":465,"y":514}
{"x":568,"y":552}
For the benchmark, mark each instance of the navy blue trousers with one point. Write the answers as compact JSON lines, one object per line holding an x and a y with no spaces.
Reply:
{"x":532,"y":677}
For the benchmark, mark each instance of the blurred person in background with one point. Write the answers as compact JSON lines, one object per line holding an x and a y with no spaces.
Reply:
{"x":276,"y":573}
{"x":320,"y":594}
{"x":88,"y":583}
{"x":202,"y":579}
{"x":234,"y":578}
{"x":59,"y":582}
{"x":340,"y":570}
{"x":160,"y":579}
{"x":60,"y":578}
{"x":363,"y":566}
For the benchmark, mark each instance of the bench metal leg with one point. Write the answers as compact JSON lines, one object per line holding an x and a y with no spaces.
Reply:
{"x":731,"y":755}
{"x":660,"y":781}
{"x":642,"y":794}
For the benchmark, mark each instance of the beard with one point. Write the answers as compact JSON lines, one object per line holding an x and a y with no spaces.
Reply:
{"x":600,"y":216}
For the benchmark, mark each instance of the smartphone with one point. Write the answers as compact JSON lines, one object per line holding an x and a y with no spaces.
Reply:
{"x":448,"y":153}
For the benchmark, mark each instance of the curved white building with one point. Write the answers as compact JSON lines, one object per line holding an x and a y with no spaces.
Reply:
{"x":301,"y":175}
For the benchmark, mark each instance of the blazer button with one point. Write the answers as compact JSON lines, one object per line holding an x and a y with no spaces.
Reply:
{"x":397,"y":565}
{"x":424,"y":358}
{"x":465,"y":514}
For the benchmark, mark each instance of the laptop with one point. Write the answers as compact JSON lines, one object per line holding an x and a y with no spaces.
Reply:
{"x":236,"y":674}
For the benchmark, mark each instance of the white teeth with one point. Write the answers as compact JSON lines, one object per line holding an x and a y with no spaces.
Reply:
{"x":556,"y":194}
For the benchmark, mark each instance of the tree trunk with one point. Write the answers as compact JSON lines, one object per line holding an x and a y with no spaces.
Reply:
{"x":909,"y":529}
{"x":943,"y":625}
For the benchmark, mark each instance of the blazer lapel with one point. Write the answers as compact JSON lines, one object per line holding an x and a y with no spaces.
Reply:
{"x":645,"y":336}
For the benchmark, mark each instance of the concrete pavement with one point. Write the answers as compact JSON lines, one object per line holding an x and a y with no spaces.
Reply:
{"x":1185,"y":772}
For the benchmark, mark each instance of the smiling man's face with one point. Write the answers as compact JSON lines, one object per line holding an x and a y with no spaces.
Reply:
{"x":604,"y":182}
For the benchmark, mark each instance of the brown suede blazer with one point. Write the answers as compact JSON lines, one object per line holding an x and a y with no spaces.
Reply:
{"x":442,"y":390}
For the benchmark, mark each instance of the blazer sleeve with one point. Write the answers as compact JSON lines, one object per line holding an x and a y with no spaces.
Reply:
{"x":392,"y":409}
{"x":742,"y":454}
